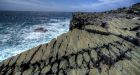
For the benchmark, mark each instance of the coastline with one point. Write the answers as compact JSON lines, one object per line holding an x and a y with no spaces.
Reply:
{"x":104,"y":43}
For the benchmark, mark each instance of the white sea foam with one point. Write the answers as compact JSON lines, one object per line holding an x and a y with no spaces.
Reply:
{"x":5,"y":37}
{"x":26,"y":38}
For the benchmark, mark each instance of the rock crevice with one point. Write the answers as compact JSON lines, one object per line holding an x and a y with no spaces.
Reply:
{"x":105,"y":43}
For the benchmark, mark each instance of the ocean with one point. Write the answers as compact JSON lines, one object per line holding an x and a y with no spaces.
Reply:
{"x":23,"y":30}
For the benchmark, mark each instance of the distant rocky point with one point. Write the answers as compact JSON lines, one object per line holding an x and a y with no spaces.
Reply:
{"x":80,"y":19}
{"x":103,"y":43}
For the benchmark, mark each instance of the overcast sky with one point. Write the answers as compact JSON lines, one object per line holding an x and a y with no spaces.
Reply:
{"x":64,"y":5}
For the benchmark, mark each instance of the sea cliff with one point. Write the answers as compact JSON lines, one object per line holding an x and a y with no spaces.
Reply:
{"x":103,"y":43}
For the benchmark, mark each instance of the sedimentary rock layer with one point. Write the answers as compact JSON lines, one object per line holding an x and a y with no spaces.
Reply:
{"x":105,"y":48}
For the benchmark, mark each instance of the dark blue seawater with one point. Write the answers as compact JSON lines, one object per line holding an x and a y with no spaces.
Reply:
{"x":20,"y":31}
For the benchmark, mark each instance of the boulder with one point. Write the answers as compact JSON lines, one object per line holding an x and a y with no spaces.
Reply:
{"x":40,"y":29}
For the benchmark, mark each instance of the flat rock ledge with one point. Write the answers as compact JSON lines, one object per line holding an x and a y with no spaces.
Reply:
{"x":108,"y":45}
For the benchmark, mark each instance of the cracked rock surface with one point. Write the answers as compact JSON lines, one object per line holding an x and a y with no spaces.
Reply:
{"x":92,"y":49}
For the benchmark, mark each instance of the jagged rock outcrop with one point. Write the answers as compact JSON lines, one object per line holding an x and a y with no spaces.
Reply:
{"x":79,"y":20}
{"x":98,"y":46}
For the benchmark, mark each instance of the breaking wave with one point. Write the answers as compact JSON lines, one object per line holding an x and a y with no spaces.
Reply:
{"x":18,"y":37}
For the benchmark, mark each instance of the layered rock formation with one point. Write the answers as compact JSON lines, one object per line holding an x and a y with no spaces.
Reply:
{"x":104,"y":43}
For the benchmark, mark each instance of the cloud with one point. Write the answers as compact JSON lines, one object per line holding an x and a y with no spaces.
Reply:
{"x":22,"y":4}
{"x":63,"y":5}
{"x":108,"y":1}
{"x":32,"y":5}
{"x":102,"y":5}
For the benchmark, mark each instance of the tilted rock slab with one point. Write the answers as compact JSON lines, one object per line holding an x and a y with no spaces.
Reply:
{"x":92,"y":50}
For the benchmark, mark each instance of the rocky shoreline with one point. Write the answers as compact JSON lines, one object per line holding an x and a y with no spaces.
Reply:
{"x":105,"y":43}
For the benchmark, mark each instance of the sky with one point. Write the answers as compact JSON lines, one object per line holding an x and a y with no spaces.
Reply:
{"x":64,"y":5}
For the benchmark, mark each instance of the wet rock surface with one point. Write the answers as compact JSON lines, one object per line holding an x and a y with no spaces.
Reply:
{"x":109,"y":47}
{"x":40,"y":29}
